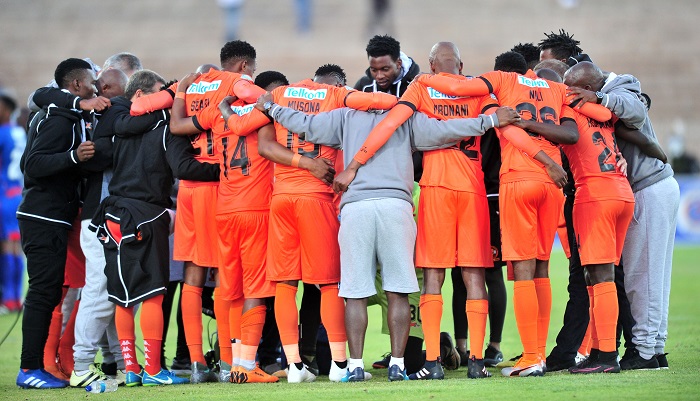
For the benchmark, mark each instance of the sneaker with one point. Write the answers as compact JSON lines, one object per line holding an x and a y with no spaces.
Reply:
{"x":181,"y":367}
{"x":450,"y":357}
{"x":357,"y":375}
{"x":511,"y":362}
{"x":579,"y":357}
{"x":661,"y":359}
{"x":524,"y":368}
{"x":637,"y":362}
{"x":311,"y":363}
{"x":492,"y":356}
{"x":120,"y":377}
{"x":38,"y":378}
{"x":202,"y":374}
{"x":337,"y":373}
{"x":134,"y":379}
{"x":476,"y":369}
{"x":274,"y":369}
{"x":463,"y":358}
{"x":256,"y":375}
{"x":429,"y":371}
{"x":606,"y":362}
{"x":382,"y":363}
{"x":396,"y":374}
{"x":296,"y":375}
{"x":93,"y":373}
{"x":225,"y":371}
{"x":555,"y":365}
{"x":164,"y":377}
{"x":109,"y":369}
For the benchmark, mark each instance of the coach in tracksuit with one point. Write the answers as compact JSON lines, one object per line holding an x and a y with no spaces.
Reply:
{"x":376,"y":223}
{"x":51,"y":167}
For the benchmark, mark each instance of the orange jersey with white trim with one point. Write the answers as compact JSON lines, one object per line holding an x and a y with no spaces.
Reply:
{"x":457,"y":168}
{"x":208,"y":90}
{"x":535,"y":99}
{"x":246,"y":179}
{"x":311,"y":98}
{"x":593,"y":162}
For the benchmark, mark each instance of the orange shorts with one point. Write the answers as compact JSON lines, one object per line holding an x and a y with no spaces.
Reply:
{"x":563,"y":235}
{"x":74,"y":275}
{"x":303,"y":240}
{"x":196,"y":238}
{"x":600,"y":228}
{"x":243,"y":255}
{"x":453,"y":229}
{"x":530,"y":213}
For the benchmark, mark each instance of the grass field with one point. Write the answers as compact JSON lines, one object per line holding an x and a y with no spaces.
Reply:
{"x":681,"y":381}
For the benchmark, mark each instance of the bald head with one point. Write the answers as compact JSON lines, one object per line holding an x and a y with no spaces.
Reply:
{"x":548,"y":74}
{"x":111,"y":83}
{"x":205,"y":68}
{"x":444,"y":57}
{"x":585,"y":75}
{"x":555,"y":65}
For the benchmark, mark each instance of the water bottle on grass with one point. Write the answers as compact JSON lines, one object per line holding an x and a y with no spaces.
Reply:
{"x":102,"y":386}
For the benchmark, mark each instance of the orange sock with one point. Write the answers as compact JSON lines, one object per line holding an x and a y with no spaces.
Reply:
{"x":124,"y":320}
{"x":591,"y":320}
{"x":287,"y":317}
{"x":52,"y":341}
{"x":605,"y":314}
{"x":192,"y":320}
{"x":431,"y":312}
{"x":152,"y":328}
{"x":543,"y":288}
{"x":585,"y":348}
{"x":252,"y":323}
{"x":526,"y":310}
{"x":477,"y":312}
{"x":333,"y":318}
{"x":65,"y":346}
{"x":221,"y":309}
{"x":234,"y":321}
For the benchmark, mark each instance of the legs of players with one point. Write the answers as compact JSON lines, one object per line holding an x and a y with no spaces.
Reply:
{"x":526,"y":307}
{"x":477,"y":308}
{"x":431,"y":311}
{"x":195,"y":277}
{"x":287,"y":318}
{"x":459,"y":301}
{"x":543,"y":289}
{"x":356,"y":323}
{"x":498,"y":299}
{"x":605,"y":306}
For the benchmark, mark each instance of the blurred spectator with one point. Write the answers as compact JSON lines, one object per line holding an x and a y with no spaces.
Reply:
{"x":232,"y":18}
{"x":303,"y":11}
{"x":381,"y":18}
{"x":681,"y":160}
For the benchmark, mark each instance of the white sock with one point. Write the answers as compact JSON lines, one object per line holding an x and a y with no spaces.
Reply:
{"x":249,"y":365}
{"x":355,"y":363}
{"x":80,"y":372}
{"x":396,"y":361}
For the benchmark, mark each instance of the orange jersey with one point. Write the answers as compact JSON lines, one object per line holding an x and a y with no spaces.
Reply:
{"x":593,"y":162}
{"x":208,"y":90}
{"x":311,"y":98}
{"x":457,"y":168}
{"x":245,"y":182}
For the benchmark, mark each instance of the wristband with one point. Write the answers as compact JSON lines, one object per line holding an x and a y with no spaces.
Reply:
{"x":295,"y":160}
{"x":180,"y":95}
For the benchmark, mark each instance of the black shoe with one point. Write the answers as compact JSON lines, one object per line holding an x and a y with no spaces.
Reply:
{"x":448,"y":352}
{"x":311,"y":363}
{"x":606,"y":362}
{"x":463,"y":358}
{"x":382,"y":363}
{"x":590,"y":360}
{"x":492,"y":356}
{"x":476,"y":369}
{"x":661,"y":358}
{"x":396,"y":374}
{"x":181,"y":367}
{"x":110,"y":369}
{"x":432,"y":370}
{"x":636,"y":362}
{"x":555,"y":365}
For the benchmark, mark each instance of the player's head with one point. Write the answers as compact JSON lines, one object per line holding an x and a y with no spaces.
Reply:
{"x":77,"y":77}
{"x":530,"y":52}
{"x":444,"y":57}
{"x":585,"y":75}
{"x":124,"y":61}
{"x":330,"y":74}
{"x":510,"y":62}
{"x":142,"y":83}
{"x":557,"y":66}
{"x":559,"y":46}
{"x":384,"y":53}
{"x":238,"y":56}
{"x":111,"y":83}
{"x":205,"y":68}
{"x":269,"y":80}
{"x":8,"y":104}
{"x":550,"y":75}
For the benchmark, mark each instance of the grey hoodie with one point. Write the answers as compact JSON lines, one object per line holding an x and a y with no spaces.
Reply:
{"x":622,"y":97}
{"x":389,"y":173}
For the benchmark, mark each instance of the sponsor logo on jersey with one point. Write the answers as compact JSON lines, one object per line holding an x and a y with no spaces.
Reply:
{"x":532,"y":83}
{"x":247,"y":77}
{"x":242,"y":110}
{"x":439,"y":95}
{"x":203,"y":87}
{"x":303,"y":93}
